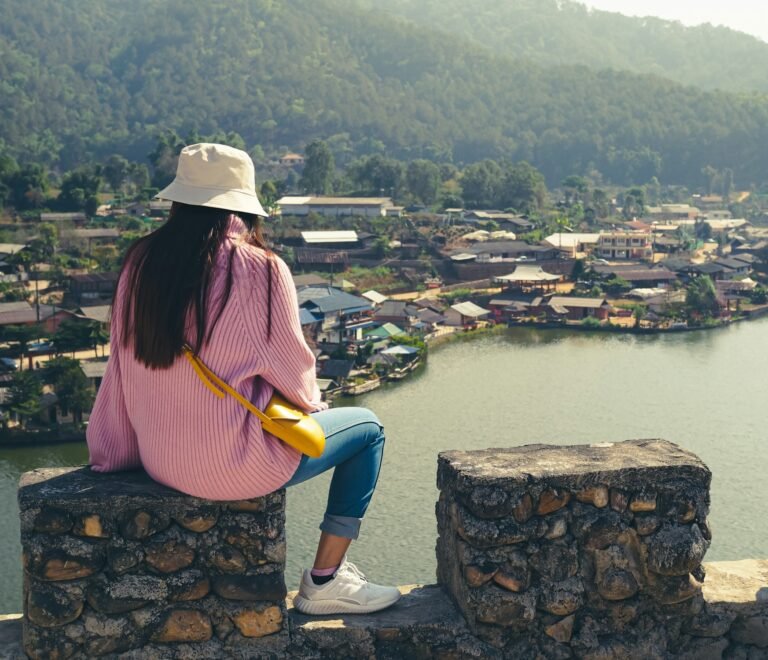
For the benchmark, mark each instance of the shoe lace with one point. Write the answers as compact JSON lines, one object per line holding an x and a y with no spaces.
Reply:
{"x":350,"y":569}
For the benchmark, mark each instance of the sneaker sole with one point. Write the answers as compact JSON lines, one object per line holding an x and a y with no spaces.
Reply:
{"x":318,"y":607}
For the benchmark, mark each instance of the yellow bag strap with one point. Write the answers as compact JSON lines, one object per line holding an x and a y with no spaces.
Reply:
{"x":219,"y":387}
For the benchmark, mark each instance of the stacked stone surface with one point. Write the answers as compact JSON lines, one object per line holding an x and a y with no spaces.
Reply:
{"x":118,"y":562}
{"x":543,"y":552}
{"x":585,"y":551}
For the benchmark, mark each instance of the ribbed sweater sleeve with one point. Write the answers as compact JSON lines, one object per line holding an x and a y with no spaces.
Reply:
{"x":287,"y":362}
{"x":112,"y":442}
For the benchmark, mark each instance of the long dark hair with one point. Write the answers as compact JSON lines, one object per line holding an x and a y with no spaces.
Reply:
{"x":171,"y":271}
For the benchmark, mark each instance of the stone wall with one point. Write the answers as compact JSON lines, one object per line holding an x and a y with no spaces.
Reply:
{"x":118,"y":562}
{"x":543,"y":552}
{"x":586,"y":551}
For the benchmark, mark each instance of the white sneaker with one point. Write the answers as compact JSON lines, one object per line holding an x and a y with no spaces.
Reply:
{"x":349,"y":592}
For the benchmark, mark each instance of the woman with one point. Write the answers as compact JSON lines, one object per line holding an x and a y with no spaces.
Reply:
{"x":207,"y":279}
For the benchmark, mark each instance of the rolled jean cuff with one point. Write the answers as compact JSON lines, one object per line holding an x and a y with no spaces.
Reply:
{"x":344,"y":526}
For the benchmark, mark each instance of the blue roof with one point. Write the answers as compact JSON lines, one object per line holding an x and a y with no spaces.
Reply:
{"x":327,"y":299}
{"x":307,"y":318}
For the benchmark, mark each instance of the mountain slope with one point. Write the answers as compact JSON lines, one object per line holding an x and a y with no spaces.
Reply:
{"x":557,"y":32}
{"x":91,"y":77}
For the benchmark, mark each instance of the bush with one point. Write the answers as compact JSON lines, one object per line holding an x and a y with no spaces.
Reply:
{"x":591,"y":322}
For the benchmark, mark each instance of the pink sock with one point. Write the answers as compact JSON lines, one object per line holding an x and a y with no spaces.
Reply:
{"x":323,"y":572}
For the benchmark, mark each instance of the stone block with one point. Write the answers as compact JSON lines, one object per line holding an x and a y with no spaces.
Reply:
{"x":118,"y":564}
{"x":535,"y":541}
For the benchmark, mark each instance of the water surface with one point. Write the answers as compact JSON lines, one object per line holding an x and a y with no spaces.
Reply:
{"x":706,"y":391}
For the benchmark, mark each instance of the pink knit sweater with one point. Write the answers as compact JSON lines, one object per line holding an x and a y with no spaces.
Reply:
{"x":167,"y":421}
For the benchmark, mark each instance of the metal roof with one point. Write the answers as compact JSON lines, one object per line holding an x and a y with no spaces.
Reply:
{"x":589,"y":303}
{"x":470,"y":309}
{"x":98,"y":313}
{"x":526,"y":273}
{"x":94,"y":369}
{"x":319,"y":237}
{"x":326,"y":299}
{"x":374,"y":296}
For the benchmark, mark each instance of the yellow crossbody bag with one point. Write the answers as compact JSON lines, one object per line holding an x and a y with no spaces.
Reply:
{"x":280,"y":418}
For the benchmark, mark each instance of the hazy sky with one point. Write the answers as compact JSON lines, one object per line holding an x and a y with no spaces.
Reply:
{"x":745,"y":15}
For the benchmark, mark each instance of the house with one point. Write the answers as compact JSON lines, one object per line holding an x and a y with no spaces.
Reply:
{"x":310,"y":279}
{"x":159,"y":208}
{"x":8,"y":249}
{"x":503,"y":220}
{"x":504,"y":251}
{"x":398,"y":312}
{"x":465,"y":315}
{"x":94,"y":371}
{"x":375,"y":297}
{"x":93,"y":286}
{"x":385,"y":331}
{"x":17,"y":313}
{"x":292,"y":160}
{"x":74,"y":218}
{"x":330,"y":239}
{"x":577,"y":309}
{"x":669,"y":212}
{"x":335,"y":207}
{"x":573,"y":244}
{"x":617,"y":245}
{"x":526,"y":277}
{"x":737,"y":267}
{"x":99,"y":313}
{"x":342,"y":317}
{"x":638,"y":275}
{"x":429,"y":319}
{"x":337,"y":370}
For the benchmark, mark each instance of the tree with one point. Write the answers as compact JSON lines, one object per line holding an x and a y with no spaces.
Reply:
{"x":79,"y":190}
{"x":523,"y":188}
{"x":377,"y":175}
{"x":319,"y":169}
{"x":164,"y":158}
{"x":481,"y":184}
{"x":701,"y":298}
{"x":28,"y":187}
{"x":72,"y":336}
{"x":24,"y":396}
{"x":21,"y":335}
{"x":115,"y":171}
{"x":616,"y":285}
{"x":423,"y":179}
{"x":71,"y":386}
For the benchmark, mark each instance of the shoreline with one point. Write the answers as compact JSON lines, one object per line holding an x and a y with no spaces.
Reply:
{"x":442,"y":340}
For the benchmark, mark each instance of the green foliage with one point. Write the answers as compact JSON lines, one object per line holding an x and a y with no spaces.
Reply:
{"x":73,"y":336}
{"x":319,"y":168}
{"x":288,"y":72}
{"x":24,"y":395}
{"x":450,"y":297}
{"x":591,"y":322}
{"x":79,"y":190}
{"x":616,"y":285}
{"x":758,"y":295}
{"x":557,"y":32}
{"x":70,"y":384}
{"x":701,"y":298}
{"x":407,"y":340}
{"x":423,"y":178}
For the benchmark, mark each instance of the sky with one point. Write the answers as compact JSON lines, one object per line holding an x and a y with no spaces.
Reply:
{"x":749,"y":16}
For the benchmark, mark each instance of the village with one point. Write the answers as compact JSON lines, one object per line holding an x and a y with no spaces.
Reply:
{"x":378,"y":283}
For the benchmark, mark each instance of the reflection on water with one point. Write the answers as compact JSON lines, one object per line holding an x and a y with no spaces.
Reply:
{"x":704,"y":390}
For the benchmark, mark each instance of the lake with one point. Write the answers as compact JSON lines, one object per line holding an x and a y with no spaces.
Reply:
{"x":705,"y":390}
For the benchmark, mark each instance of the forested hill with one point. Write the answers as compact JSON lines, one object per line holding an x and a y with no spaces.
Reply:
{"x":555,"y":32}
{"x":87,"y":78}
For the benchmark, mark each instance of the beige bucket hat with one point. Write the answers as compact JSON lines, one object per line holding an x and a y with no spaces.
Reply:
{"x":215,"y":175}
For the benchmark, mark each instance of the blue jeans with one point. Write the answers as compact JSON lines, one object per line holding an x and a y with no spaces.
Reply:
{"x":354,"y":445}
